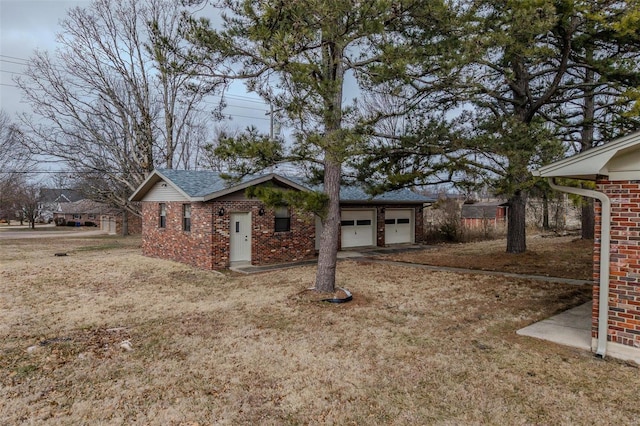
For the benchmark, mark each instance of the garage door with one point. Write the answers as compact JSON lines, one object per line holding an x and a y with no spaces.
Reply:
{"x":398,"y":226}
{"x":357,"y":227}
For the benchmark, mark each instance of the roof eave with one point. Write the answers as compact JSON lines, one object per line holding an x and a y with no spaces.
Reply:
{"x":253,"y":182}
{"x":593,"y":160}
{"x":149,"y":183}
{"x":373,"y":202}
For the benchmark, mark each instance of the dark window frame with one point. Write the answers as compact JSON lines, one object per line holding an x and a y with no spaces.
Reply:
{"x":162,"y":213}
{"x":282,"y":219}
{"x":186,"y":217}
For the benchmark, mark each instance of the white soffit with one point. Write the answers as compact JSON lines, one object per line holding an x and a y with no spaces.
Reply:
{"x":618,"y":160}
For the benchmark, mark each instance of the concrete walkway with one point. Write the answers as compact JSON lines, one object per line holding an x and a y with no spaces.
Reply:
{"x":570,"y":328}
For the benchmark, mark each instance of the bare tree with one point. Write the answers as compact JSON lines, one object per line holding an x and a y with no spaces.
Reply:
{"x":112,"y":103}
{"x":15,"y":164}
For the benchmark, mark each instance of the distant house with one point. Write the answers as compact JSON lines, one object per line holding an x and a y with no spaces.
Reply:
{"x":52,"y":198}
{"x":479,"y":215}
{"x":198,"y":218}
{"x":92,"y":213}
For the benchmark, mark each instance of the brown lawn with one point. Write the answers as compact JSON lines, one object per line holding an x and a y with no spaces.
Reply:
{"x":565,"y":257}
{"x":414,"y":347}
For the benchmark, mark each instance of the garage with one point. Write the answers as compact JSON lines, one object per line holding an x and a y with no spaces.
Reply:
{"x":398,"y":226}
{"x":357,"y":228}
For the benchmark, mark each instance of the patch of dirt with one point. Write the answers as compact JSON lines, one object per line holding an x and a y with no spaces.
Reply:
{"x":310,"y":295}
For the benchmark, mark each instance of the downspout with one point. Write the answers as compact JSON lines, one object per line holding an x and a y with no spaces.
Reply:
{"x":605,"y":251}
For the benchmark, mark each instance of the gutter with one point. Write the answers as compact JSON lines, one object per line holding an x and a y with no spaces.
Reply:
{"x":605,"y":258}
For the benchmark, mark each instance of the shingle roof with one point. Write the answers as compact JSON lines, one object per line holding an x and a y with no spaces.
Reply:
{"x":199,"y":183}
{"x":486,"y":210}
{"x":58,"y":195}
{"x":204,"y":184}
{"x":85,"y":206}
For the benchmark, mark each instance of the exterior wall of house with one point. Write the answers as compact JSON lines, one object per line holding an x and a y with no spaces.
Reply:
{"x":79,"y":221}
{"x":207,"y":245}
{"x":267,"y":246}
{"x":134,"y":224}
{"x":624,"y":281}
{"x":492,"y":220}
{"x":172,"y":242}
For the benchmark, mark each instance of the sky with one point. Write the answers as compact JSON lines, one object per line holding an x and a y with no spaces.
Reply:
{"x":26,"y":25}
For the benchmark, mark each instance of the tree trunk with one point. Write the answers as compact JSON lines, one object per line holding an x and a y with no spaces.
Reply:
{"x":327,"y":258}
{"x":125,"y":223}
{"x":588,"y":219}
{"x":516,"y":229}
{"x":587,"y":133}
{"x":545,"y":212}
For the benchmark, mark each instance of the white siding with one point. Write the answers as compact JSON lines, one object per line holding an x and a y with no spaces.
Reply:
{"x":162,"y":191}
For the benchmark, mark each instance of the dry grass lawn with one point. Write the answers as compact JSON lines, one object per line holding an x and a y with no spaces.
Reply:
{"x":565,"y":257}
{"x":414,"y":347}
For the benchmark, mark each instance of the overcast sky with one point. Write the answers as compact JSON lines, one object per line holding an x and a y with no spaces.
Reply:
{"x":26,"y":25}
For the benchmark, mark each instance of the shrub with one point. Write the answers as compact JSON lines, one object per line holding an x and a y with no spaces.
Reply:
{"x":89,"y":223}
{"x":60,"y":221}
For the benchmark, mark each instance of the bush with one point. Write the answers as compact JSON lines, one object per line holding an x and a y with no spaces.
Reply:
{"x":60,"y":221}
{"x":89,"y":223}
{"x":71,"y":223}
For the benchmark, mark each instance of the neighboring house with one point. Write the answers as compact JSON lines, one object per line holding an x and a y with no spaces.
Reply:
{"x":92,"y":213}
{"x":52,"y":198}
{"x":481,"y":215}
{"x":198,"y":218}
{"x":615,"y":168}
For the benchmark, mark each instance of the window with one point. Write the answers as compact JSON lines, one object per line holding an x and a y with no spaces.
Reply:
{"x":92,"y":216}
{"x":77,"y":216}
{"x":186,"y":217}
{"x":163,"y":215}
{"x":283,"y":219}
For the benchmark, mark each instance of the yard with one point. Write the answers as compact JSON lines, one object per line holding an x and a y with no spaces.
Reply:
{"x":414,"y":347}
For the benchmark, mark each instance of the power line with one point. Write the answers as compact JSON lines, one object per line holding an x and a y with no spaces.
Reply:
{"x":14,"y":57}
{"x":13,"y":62}
{"x":12,"y":72}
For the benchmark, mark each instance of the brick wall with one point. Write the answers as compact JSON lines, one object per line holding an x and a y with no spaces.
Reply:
{"x":207,"y":246}
{"x":624,"y":282}
{"x":267,"y":246}
{"x":193,"y":248}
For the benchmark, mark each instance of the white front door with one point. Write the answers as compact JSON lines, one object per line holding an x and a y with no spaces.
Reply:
{"x":357,"y":228}
{"x":398,"y":226}
{"x":240,"y":237}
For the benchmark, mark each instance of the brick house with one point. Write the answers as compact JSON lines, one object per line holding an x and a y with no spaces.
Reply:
{"x":481,"y":215}
{"x":198,"y":218}
{"x":92,"y":213}
{"x":615,"y":169}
